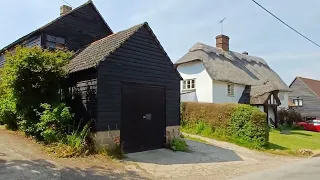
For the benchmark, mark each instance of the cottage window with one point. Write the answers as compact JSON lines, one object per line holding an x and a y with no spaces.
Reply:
{"x":189,"y":84}
{"x":230,"y":89}
{"x":298,"y":102}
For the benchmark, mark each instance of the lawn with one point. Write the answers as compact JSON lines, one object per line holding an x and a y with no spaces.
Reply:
{"x":296,"y":140}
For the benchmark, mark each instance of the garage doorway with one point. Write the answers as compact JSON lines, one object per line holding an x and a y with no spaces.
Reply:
{"x":143,"y":117}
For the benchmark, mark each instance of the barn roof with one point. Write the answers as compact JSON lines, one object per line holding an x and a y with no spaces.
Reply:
{"x":234,"y":67}
{"x":68,"y":18}
{"x":97,"y":51}
{"x":312,"y":84}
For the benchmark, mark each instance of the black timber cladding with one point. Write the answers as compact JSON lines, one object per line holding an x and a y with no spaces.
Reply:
{"x":311,"y":102}
{"x":139,"y":60}
{"x":31,"y":42}
{"x":82,"y":94}
{"x":79,"y":27}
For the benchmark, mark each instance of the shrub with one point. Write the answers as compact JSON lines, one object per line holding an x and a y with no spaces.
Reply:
{"x":54,"y":122}
{"x":248,"y":127}
{"x":77,"y":143}
{"x":32,"y":76}
{"x":242,"y":124}
{"x":178,"y":144}
{"x":288,"y":117}
{"x":8,"y":115}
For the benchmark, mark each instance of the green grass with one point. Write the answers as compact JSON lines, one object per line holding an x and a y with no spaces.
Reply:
{"x":194,"y":139}
{"x":296,"y":140}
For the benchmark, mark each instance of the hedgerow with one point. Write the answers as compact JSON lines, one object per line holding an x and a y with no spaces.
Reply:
{"x":242,"y":124}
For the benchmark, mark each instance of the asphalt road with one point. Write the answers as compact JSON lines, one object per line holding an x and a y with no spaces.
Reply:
{"x":308,"y":169}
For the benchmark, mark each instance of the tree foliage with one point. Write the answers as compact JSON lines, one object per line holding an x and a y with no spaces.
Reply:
{"x":32,"y":76}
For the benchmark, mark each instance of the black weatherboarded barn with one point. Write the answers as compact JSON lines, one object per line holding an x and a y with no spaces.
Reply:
{"x":129,"y":85}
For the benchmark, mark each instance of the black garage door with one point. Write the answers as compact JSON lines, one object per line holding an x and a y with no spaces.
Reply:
{"x":143,"y":118}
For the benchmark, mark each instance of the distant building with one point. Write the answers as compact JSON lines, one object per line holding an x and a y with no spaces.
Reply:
{"x":305,"y":96}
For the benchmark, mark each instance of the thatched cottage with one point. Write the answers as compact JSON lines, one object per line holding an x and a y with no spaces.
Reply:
{"x":218,"y":75}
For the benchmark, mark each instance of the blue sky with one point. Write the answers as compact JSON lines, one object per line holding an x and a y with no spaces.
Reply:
{"x":179,"y":24}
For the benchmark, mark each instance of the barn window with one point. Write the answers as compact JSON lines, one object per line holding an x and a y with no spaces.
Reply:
{"x":230,"y":89}
{"x":189,"y":84}
{"x":298,"y":102}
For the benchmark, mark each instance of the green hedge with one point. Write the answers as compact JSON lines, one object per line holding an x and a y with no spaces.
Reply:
{"x":241,"y":124}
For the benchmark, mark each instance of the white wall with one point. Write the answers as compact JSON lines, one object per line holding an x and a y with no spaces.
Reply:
{"x":271,"y":114}
{"x":203,"y":82}
{"x":220,"y":92}
{"x":260,"y":107}
{"x":283,"y":96}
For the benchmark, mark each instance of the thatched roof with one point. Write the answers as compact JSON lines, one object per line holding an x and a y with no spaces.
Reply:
{"x":235,"y":68}
{"x":258,"y":94}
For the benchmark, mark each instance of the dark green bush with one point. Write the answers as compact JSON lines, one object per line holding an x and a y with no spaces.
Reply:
{"x":8,"y":114}
{"x":54,"y":122}
{"x":178,"y":144}
{"x":249,"y":127}
{"x":242,"y":124}
{"x":288,"y":117}
{"x":32,"y":76}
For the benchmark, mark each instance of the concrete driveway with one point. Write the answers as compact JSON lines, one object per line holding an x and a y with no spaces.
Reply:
{"x":204,"y":161}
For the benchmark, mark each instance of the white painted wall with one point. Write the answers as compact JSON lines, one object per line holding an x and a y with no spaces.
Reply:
{"x":203,"y":83}
{"x":220,"y":92}
{"x":283,"y":96}
{"x":260,"y":107}
{"x":270,"y":115}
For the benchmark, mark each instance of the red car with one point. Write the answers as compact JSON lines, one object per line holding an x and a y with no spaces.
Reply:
{"x":312,"y":125}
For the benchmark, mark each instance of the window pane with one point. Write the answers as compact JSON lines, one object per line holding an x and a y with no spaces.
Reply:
{"x":184,"y":85}
{"x":300,"y":102}
{"x":192,"y":84}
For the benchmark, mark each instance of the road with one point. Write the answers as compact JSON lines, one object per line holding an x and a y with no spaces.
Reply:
{"x":308,"y":169}
{"x":23,"y":159}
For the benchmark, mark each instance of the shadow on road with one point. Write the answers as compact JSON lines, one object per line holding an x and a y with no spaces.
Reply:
{"x":199,"y":153}
{"x":43,"y":169}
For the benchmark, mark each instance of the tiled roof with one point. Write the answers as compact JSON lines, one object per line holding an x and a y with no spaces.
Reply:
{"x":98,"y":50}
{"x":314,"y":85}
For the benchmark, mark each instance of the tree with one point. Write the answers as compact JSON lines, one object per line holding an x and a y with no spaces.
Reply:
{"x":32,"y":76}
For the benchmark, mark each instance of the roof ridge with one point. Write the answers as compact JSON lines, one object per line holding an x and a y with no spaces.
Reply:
{"x":308,"y":78}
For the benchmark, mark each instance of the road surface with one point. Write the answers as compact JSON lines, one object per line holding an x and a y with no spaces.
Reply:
{"x":308,"y":169}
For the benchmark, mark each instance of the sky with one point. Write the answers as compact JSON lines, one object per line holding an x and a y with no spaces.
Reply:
{"x":179,"y":24}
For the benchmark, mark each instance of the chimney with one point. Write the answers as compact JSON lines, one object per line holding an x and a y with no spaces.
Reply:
{"x":222,"y":42}
{"x":245,"y":52}
{"x":64,"y":9}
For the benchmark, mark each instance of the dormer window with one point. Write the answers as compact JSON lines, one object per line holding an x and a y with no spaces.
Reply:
{"x":189,"y":84}
{"x":230,"y":90}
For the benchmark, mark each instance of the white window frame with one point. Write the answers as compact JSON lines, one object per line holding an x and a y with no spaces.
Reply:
{"x":298,"y":101}
{"x":230,"y":90}
{"x":188,"y":84}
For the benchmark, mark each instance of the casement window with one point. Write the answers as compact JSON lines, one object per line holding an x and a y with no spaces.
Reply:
{"x":230,"y":90}
{"x":298,"y":102}
{"x":188,"y":84}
